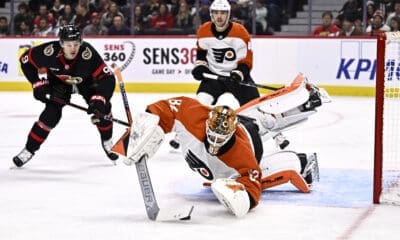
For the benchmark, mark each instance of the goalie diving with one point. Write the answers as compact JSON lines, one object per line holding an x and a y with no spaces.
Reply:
{"x":225,"y":145}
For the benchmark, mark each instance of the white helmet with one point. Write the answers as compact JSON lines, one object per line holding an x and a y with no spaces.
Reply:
{"x":220,"y":5}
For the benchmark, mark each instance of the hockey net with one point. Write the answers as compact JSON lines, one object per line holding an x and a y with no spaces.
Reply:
{"x":387,"y":120}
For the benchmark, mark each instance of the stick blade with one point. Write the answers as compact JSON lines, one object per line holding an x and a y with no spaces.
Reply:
{"x":183,"y":214}
{"x":121,"y":146}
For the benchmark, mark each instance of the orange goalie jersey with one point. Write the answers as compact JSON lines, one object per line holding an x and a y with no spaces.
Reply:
{"x":187,"y":117}
{"x":225,"y":53}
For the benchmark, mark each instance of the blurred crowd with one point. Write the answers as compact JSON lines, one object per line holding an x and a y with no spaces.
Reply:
{"x":381,"y":16}
{"x":118,"y":17}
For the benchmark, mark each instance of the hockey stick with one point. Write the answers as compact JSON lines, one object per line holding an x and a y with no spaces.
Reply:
{"x":61,"y":101}
{"x":153,"y":211}
{"x":228,"y":79}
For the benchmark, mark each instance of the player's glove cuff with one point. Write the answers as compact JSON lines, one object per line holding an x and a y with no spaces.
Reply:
{"x":237,"y":76}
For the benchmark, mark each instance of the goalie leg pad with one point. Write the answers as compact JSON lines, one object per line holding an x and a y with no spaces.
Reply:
{"x":145,"y":139}
{"x":232,"y":195}
{"x":282,"y":167}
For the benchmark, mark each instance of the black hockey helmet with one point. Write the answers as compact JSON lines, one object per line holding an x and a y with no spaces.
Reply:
{"x":70,"y":32}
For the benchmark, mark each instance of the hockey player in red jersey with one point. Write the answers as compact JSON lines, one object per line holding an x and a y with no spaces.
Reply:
{"x":59,"y":69}
{"x":226,"y":146}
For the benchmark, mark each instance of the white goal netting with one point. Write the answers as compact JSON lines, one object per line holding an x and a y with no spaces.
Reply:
{"x":391,"y":122}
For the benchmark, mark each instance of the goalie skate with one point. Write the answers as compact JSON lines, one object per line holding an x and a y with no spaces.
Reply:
{"x":311,"y":171}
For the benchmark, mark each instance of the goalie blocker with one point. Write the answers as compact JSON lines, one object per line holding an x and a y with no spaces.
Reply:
{"x":236,"y":166}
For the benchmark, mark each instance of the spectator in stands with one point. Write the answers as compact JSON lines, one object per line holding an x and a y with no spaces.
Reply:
{"x":239,"y":12}
{"x":102,"y":6}
{"x":69,"y":15}
{"x":23,"y":29}
{"x":394,"y":24}
{"x":370,"y":12}
{"x":377,"y":25}
{"x":23,"y":15}
{"x":184,"y":19}
{"x":151,"y":7}
{"x":274,"y":14}
{"x":107,"y":18}
{"x":95,"y":27}
{"x":58,"y":9}
{"x":83,"y":15}
{"x":396,"y":12}
{"x":4,"y":31}
{"x":261,"y":17}
{"x":162,"y":19}
{"x":44,"y":29}
{"x":351,"y":9}
{"x":326,"y":28}
{"x":349,"y":29}
{"x":173,"y":6}
{"x":43,"y":13}
{"x":118,"y":27}
{"x":140,"y":21}
{"x":204,"y":12}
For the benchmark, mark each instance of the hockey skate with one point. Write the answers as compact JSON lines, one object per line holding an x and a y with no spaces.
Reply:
{"x":23,"y":157}
{"x":107,"y":145}
{"x":310,"y":173}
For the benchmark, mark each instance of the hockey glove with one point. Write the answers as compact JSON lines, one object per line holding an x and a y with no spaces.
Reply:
{"x":198,"y":71}
{"x":97,"y":105}
{"x":41,"y":88}
{"x":237,"y":76}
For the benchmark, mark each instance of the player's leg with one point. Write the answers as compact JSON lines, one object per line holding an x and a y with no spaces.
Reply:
{"x":104,"y":127}
{"x":48,"y":119}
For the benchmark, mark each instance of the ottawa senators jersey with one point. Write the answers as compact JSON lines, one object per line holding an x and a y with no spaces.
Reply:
{"x":187,"y":117}
{"x":224,"y":51}
{"x":87,"y":69}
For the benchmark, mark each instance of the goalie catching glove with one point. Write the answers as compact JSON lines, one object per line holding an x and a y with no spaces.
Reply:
{"x":145,"y":138}
{"x":232,"y":195}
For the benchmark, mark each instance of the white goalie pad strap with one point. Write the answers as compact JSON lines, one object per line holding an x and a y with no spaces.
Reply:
{"x":290,"y":118}
{"x":146,"y":137}
{"x":232,"y":195}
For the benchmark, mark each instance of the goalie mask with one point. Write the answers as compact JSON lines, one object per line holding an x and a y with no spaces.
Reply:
{"x":220,"y":127}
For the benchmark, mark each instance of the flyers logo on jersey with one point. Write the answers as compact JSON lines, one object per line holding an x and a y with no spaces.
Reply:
{"x":221,"y":54}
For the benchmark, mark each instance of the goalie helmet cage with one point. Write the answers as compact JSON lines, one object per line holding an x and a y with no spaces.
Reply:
{"x":387,"y":120}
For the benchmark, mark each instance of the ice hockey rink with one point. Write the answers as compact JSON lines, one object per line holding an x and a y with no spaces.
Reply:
{"x":70,"y":190}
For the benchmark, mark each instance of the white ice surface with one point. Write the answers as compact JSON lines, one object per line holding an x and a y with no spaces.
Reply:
{"x":70,"y":190}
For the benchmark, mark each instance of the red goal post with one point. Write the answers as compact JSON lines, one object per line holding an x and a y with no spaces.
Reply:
{"x":387,"y":120}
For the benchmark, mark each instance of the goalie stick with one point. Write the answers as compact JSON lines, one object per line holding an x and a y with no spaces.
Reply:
{"x":153,"y":211}
{"x":250,"y":84}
